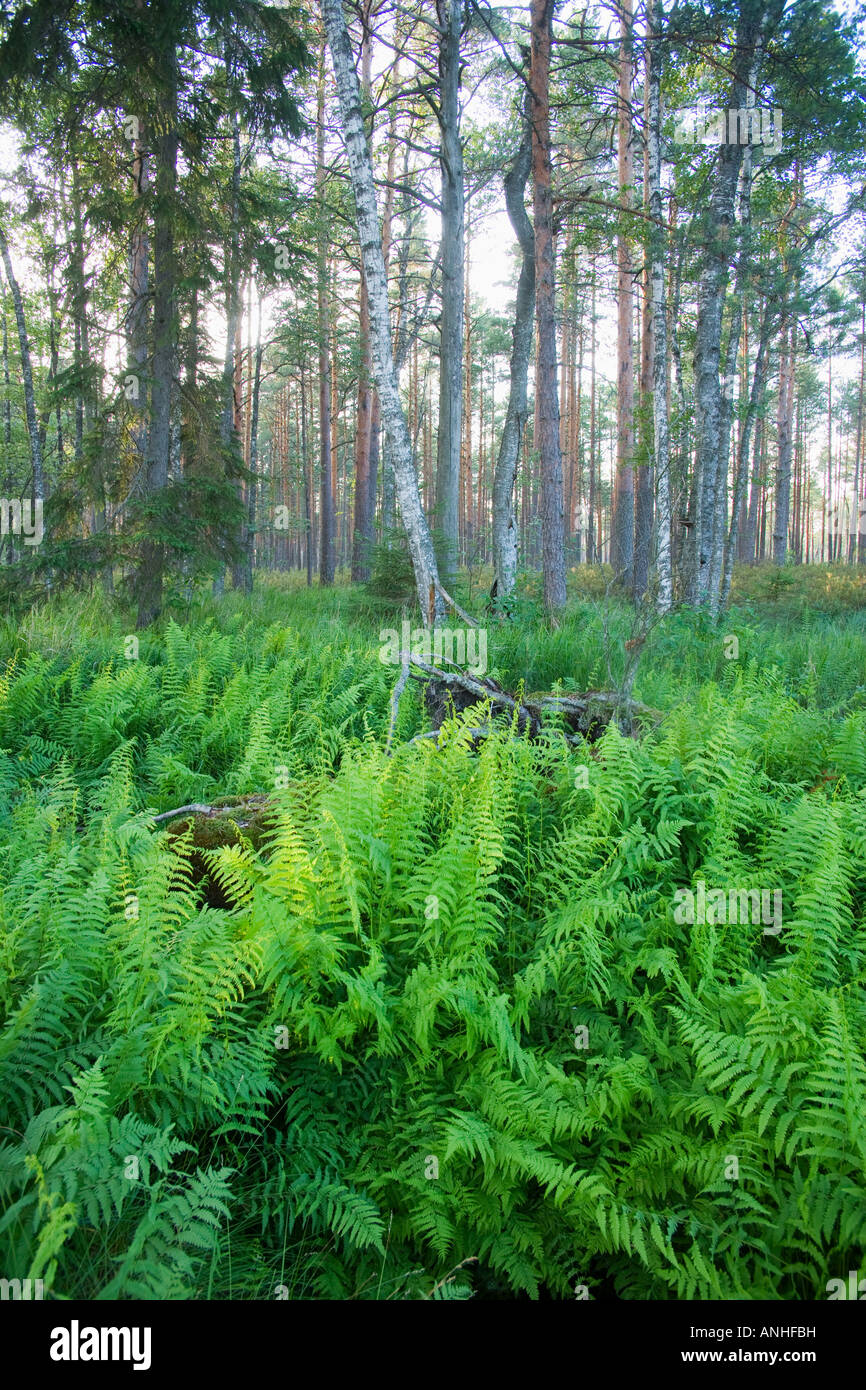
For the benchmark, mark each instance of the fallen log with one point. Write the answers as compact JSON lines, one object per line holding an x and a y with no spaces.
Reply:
{"x":242,"y":811}
{"x":586,"y":714}
{"x":197,"y":828}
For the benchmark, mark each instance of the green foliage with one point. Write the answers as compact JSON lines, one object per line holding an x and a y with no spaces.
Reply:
{"x":391,"y":574}
{"x":446,"y":1034}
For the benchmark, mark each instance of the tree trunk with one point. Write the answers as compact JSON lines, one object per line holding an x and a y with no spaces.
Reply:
{"x":231,"y":361}
{"x":308,"y":484}
{"x":361,"y":530}
{"x":721,"y":541}
{"x":755,"y":397}
{"x":859,"y":469}
{"x":152,"y":561}
{"x":658,"y":313}
{"x":7,"y":402}
{"x":26,"y":371}
{"x":363,"y":442}
{"x":622,"y":533}
{"x":232,"y":290}
{"x":753,"y":20}
{"x":136,"y":322}
{"x":750,"y":538}
{"x":643,"y":511}
{"x":54,"y":328}
{"x":375,"y":410}
{"x":254,"y":456}
{"x":504,"y":521}
{"x":364,"y":192}
{"x":592,"y":547}
{"x":327,"y":517}
{"x":785,"y":445}
{"x":546,"y":397}
{"x":449,"y":15}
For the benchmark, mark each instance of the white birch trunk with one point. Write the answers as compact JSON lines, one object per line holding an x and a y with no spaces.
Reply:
{"x":370,"y":238}
{"x":504,"y":520}
{"x":450,"y":18}
{"x":662,"y":458}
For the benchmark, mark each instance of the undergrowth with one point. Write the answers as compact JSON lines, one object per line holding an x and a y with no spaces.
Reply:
{"x":447,"y":1035}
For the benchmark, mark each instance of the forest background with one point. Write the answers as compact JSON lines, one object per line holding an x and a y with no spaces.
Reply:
{"x":540,"y":323}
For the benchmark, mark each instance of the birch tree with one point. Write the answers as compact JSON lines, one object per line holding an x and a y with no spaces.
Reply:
{"x":755,"y":20}
{"x":328,"y":518}
{"x":658,"y":304}
{"x":546,"y":397}
{"x":622,"y":538}
{"x":450,"y":19}
{"x":361,"y":531}
{"x":504,"y":520}
{"x":370,"y":238}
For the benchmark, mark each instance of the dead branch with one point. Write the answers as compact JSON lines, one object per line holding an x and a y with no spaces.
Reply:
{"x":195,"y":808}
{"x":470,"y":621}
{"x":395,"y":699}
{"x":587,"y":713}
{"x":232,"y":809}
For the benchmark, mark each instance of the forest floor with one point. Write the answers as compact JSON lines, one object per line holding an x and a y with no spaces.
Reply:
{"x":442,"y":1026}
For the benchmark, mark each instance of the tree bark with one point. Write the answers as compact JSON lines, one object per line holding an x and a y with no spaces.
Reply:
{"x":785,"y":445}
{"x":643,"y":510}
{"x":308,"y":484}
{"x":152,"y":560}
{"x":755,"y":20}
{"x":859,"y":470}
{"x":375,"y":410}
{"x":363,"y":441}
{"x":136,"y":322}
{"x":742,"y":468}
{"x":593,"y":549}
{"x":26,"y":370}
{"x":7,"y":402}
{"x":327,"y":517}
{"x":369,"y":235}
{"x":719,"y":517}
{"x":361,"y":530}
{"x":232,"y":294}
{"x":546,"y":396}
{"x":450,"y":17}
{"x":622,"y":533}
{"x":254,"y":454}
{"x":658,"y":313}
{"x":232,"y":360}
{"x":504,"y":520}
